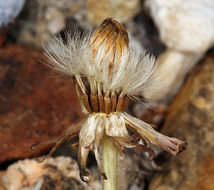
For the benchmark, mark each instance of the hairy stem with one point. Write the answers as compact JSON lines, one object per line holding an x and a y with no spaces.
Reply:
{"x":110,"y":162}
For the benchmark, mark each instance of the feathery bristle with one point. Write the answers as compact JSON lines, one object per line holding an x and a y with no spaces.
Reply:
{"x":132,"y":76}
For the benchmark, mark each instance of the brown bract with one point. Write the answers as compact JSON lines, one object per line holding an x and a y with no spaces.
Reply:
{"x":113,"y":37}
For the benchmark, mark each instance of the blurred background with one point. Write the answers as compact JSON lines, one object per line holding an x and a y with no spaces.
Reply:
{"x":38,"y":106}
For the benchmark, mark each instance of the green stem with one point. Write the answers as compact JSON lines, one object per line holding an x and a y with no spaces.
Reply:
{"x":110,"y":162}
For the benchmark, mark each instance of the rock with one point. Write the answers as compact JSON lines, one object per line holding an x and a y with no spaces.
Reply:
{"x":178,"y":23}
{"x":143,"y":29}
{"x":40,"y":19}
{"x":3,"y":35}
{"x":35,"y":105}
{"x":63,"y":173}
{"x":173,"y":66}
{"x":120,"y":10}
{"x":55,"y":20}
{"x":9,"y":10}
{"x":191,"y":118}
{"x":134,"y":170}
{"x":52,"y":174}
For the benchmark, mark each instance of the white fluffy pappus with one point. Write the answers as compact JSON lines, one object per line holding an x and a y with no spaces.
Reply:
{"x":132,"y":76}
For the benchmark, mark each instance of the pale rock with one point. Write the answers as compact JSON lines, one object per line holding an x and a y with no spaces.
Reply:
{"x":172,"y":69}
{"x":187,"y":29}
{"x":184,"y":25}
{"x":55,"y":20}
{"x":120,"y":10}
{"x":9,"y":10}
{"x":135,"y":44}
{"x":61,"y":172}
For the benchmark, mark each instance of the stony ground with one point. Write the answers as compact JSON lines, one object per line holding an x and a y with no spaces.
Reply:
{"x":38,"y":105}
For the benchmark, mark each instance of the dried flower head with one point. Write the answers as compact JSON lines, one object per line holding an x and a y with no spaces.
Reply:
{"x":107,"y":73}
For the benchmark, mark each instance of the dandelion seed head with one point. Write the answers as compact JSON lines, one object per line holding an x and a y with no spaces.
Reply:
{"x":107,"y":73}
{"x":105,"y":57}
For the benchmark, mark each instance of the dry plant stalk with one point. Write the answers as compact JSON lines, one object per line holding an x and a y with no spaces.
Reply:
{"x":107,"y":73}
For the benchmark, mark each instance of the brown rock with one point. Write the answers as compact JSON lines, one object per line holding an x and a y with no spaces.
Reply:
{"x":2,"y":35}
{"x":191,"y":118}
{"x":34,"y":105}
{"x":120,"y":10}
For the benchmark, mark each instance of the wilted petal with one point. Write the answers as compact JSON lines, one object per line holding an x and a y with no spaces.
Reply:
{"x":82,"y":161}
{"x":169,"y":144}
{"x":86,"y":143}
{"x":117,"y":145}
{"x":115,"y":126}
{"x":72,"y":132}
{"x":142,"y":148}
{"x":87,"y":132}
{"x":99,"y":164}
{"x":98,"y":136}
